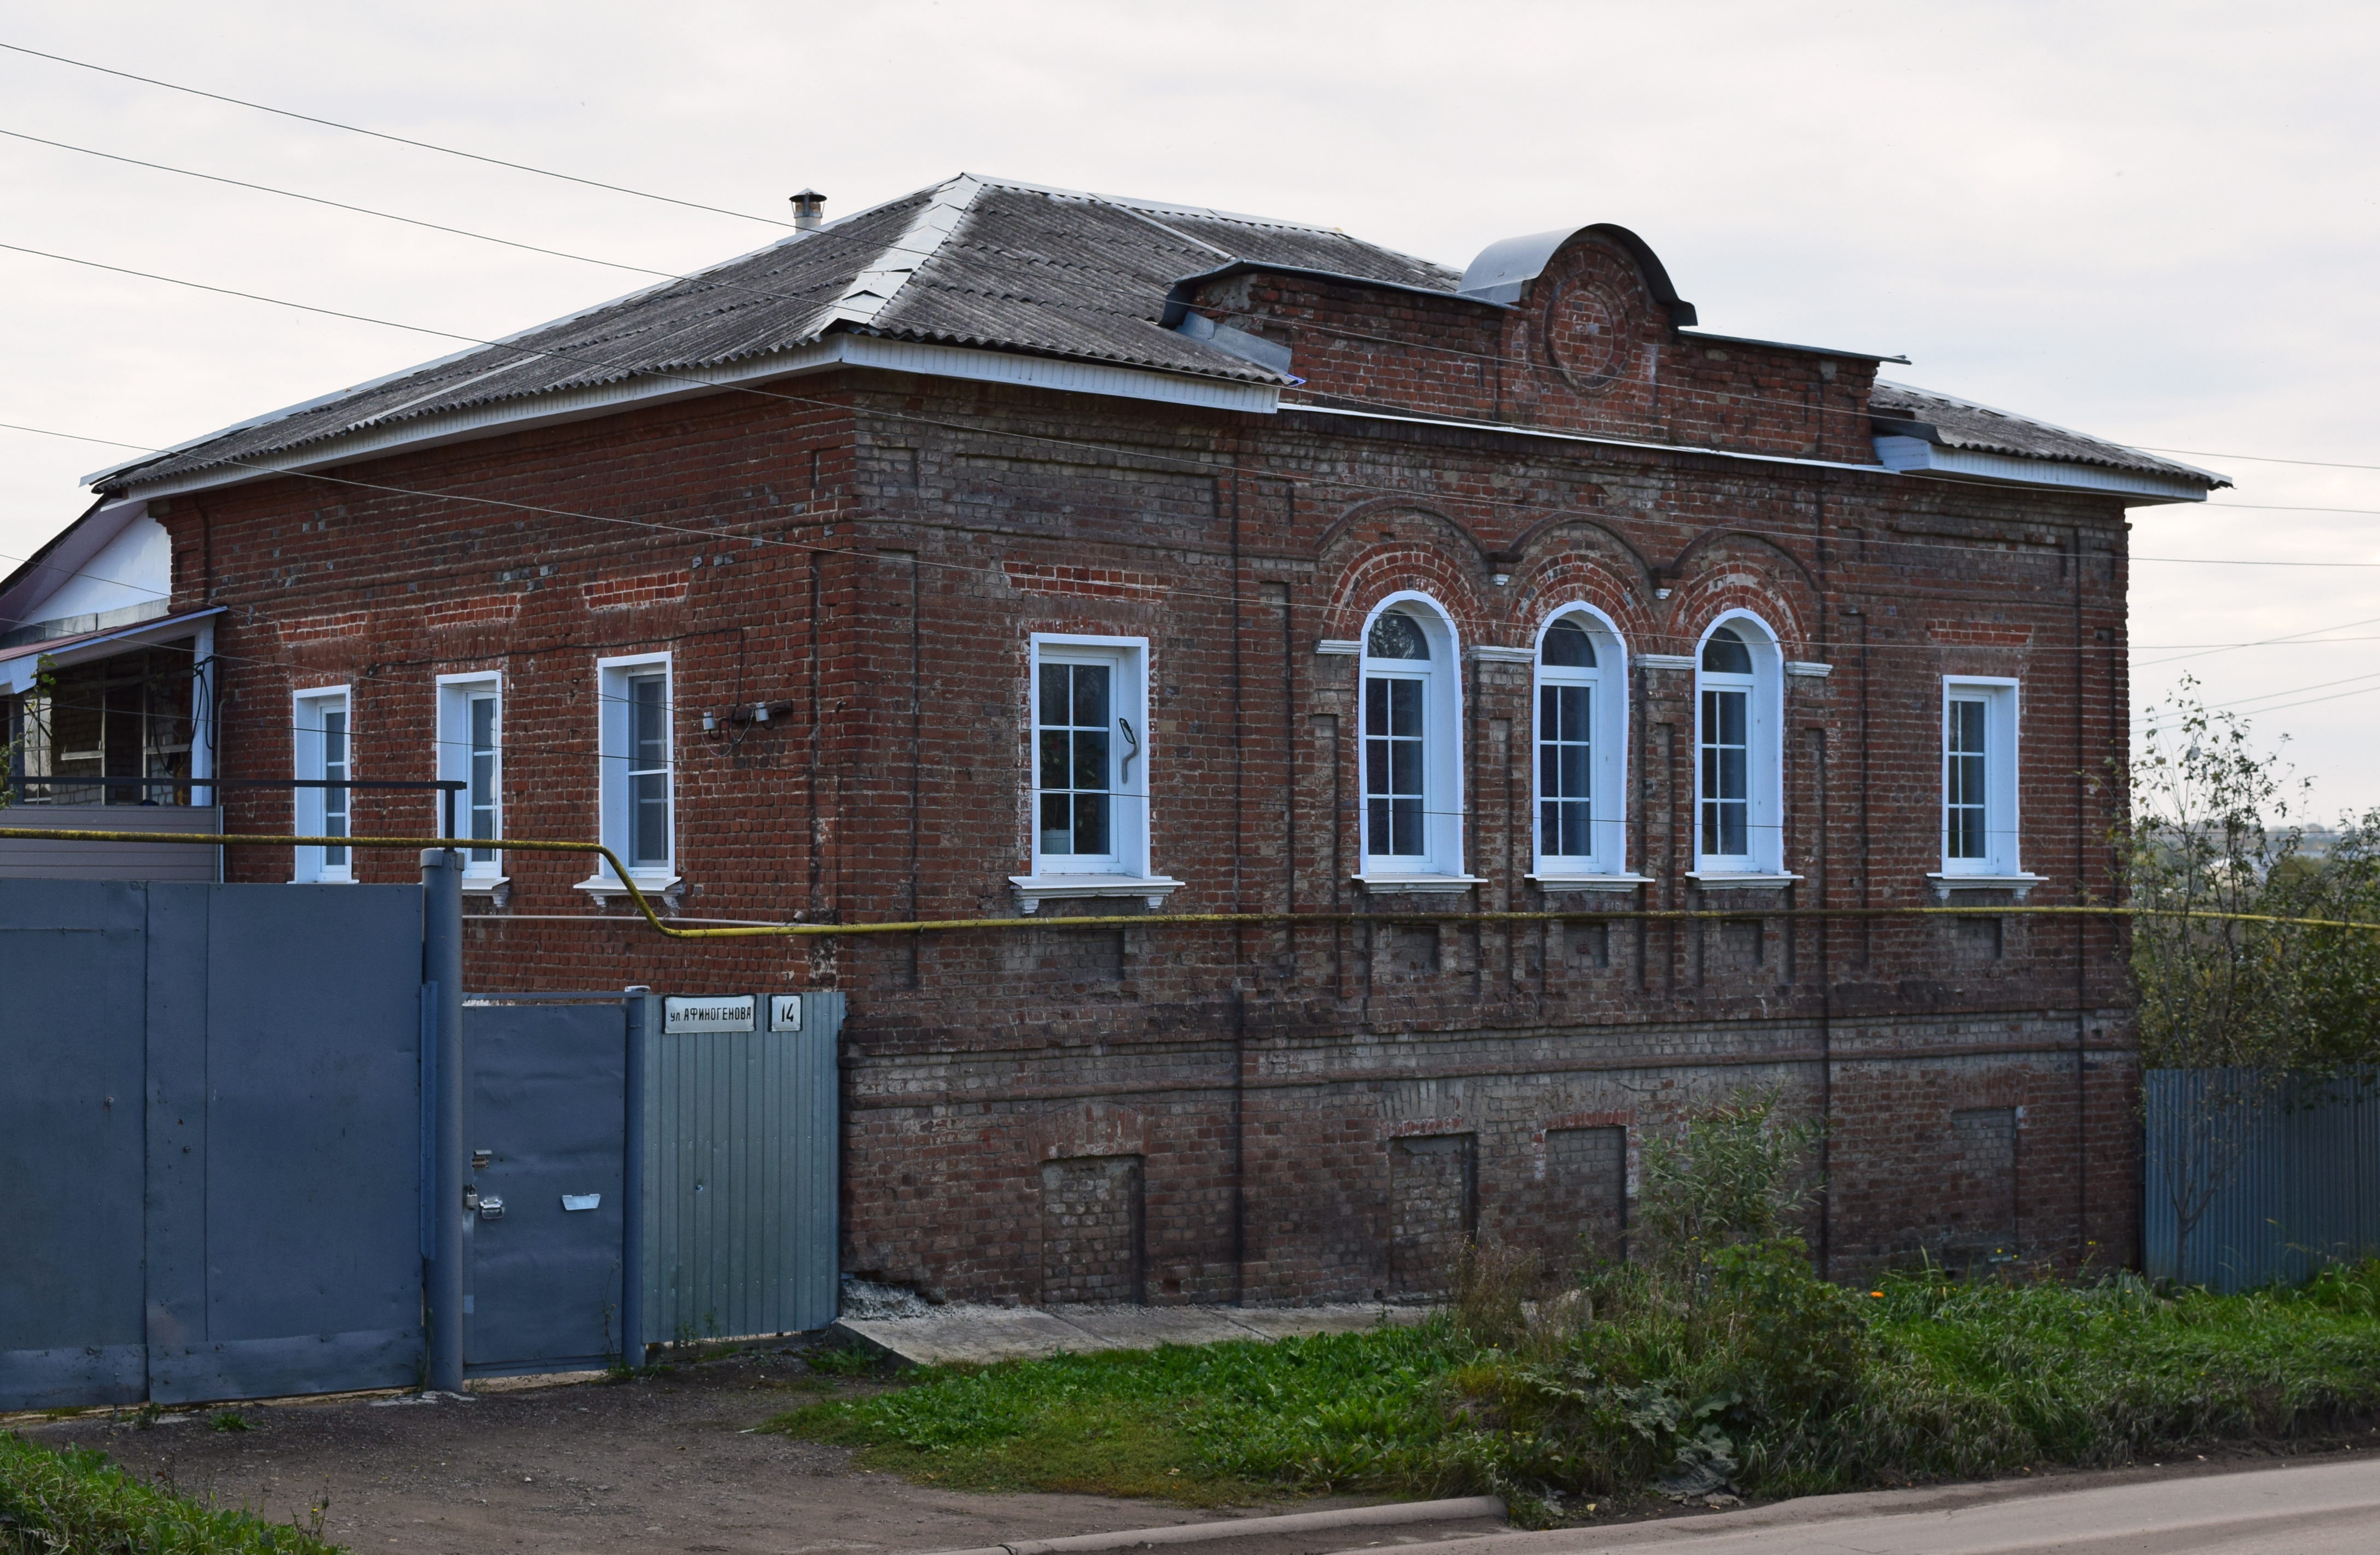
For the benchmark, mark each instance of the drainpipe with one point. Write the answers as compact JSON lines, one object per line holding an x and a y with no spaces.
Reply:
{"x":442,"y":980}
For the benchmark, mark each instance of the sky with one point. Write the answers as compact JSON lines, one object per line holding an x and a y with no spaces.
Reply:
{"x":2154,"y":223}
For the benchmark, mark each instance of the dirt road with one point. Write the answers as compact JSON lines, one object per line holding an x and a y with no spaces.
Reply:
{"x":655,"y":1465}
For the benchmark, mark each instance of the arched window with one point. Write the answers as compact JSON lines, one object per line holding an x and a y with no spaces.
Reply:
{"x":1738,"y":827}
{"x":1412,"y":776}
{"x":1581,"y":735}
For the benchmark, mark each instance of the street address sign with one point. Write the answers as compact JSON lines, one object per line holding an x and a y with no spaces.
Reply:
{"x":682,"y":1016}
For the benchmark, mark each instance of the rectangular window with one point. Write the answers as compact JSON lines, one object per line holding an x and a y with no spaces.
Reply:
{"x":1074,"y":728}
{"x":649,"y":771}
{"x":470,"y":751}
{"x":1088,"y":757}
{"x":1565,"y":765}
{"x":636,"y":768}
{"x":322,"y":740}
{"x":1964,"y":788}
{"x":1726,"y":774}
{"x":1395,"y":752}
{"x":1979,"y":777}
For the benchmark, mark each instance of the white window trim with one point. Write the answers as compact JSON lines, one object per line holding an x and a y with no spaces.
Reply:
{"x":1128,"y":874}
{"x":1765,"y":758}
{"x":611,"y":812}
{"x":1605,"y":869}
{"x":1439,"y":865}
{"x":2003,"y":867}
{"x":306,"y":761}
{"x":454,"y":761}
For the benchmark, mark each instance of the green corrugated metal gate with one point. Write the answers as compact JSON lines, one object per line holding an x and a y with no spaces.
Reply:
{"x":739,"y":1171}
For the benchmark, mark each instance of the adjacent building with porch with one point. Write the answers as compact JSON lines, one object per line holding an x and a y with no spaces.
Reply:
{"x":1007,"y":551}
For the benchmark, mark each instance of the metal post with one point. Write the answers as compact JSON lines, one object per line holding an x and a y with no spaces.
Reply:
{"x":441,"y":967}
{"x":632,"y":1187}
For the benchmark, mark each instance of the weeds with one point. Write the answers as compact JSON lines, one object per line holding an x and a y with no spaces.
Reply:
{"x":74,"y":1500}
{"x":1722,"y":1366}
{"x":228,"y":1420}
{"x":845,"y":1360}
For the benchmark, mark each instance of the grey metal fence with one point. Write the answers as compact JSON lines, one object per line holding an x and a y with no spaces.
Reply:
{"x":2252,"y":1178}
{"x":209,"y":1143}
{"x":739,"y":1172}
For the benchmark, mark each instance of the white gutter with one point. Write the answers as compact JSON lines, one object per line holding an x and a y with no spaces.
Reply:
{"x":839,"y":350}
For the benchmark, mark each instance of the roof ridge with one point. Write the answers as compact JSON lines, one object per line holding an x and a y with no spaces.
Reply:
{"x":872,"y":289}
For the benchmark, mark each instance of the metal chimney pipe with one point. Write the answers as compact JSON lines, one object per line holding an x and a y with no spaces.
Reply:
{"x":810,"y":210}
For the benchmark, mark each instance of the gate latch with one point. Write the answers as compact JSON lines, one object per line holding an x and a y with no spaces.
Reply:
{"x":491,"y":1207}
{"x":479,"y":1160}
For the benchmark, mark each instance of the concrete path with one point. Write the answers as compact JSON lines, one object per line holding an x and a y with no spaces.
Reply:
{"x":1004,"y":1333}
{"x":2325,"y":1509}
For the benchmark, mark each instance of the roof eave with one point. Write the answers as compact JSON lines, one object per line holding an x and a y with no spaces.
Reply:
{"x":1914,"y":455}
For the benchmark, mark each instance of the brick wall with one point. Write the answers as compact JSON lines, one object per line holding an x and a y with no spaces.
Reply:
{"x":875,"y":551}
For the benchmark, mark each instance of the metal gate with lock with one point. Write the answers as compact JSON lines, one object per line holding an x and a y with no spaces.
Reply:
{"x":723,"y":1108}
{"x":545,"y":1119}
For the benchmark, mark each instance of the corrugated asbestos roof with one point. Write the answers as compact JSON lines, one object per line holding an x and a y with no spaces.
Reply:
{"x":974,"y":261}
{"x":1945,"y":420}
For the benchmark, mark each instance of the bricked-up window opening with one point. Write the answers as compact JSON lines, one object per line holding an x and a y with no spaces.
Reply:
{"x":1089,"y":758}
{"x":1411,"y":788}
{"x":1979,"y":803}
{"x":1978,"y":1204}
{"x":1433,"y":1208}
{"x":1071,"y":728}
{"x":1736,"y":770}
{"x":1587,"y":1169}
{"x":470,"y":751}
{"x":321,"y":738}
{"x":635,"y":769}
{"x":1092,"y":1236}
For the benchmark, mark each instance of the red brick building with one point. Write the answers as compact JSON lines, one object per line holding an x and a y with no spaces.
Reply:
{"x":1002,"y":548}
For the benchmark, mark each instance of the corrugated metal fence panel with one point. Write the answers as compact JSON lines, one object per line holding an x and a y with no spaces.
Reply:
{"x":740,"y":1192}
{"x":2272,"y":1179}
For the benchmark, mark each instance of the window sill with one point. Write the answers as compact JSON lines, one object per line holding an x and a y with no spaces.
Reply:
{"x":1549,"y":882}
{"x":1380,"y":884}
{"x":1943,"y":884}
{"x":1740,"y":880}
{"x":322,"y":879}
{"x":484,"y":884}
{"x":1034,"y":890}
{"x":653,"y":882}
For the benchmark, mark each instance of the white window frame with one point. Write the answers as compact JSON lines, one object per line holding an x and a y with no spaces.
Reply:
{"x":455,"y":694}
{"x":1764,"y":856}
{"x":1606,"y":862}
{"x":1438,"y":866}
{"x":311,"y":805}
{"x":614,"y":805}
{"x":2002,"y":819}
{"x":1125,"y":869}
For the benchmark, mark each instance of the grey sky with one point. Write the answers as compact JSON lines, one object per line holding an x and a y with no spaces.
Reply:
{"x":2152,"y":222}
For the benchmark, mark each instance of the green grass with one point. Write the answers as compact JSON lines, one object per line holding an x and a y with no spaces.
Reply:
{"x":1765,"y":1381}
{"x":75,"y":1500}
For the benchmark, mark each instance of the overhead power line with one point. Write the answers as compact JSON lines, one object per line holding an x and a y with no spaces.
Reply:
{"x":398,"y":140}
